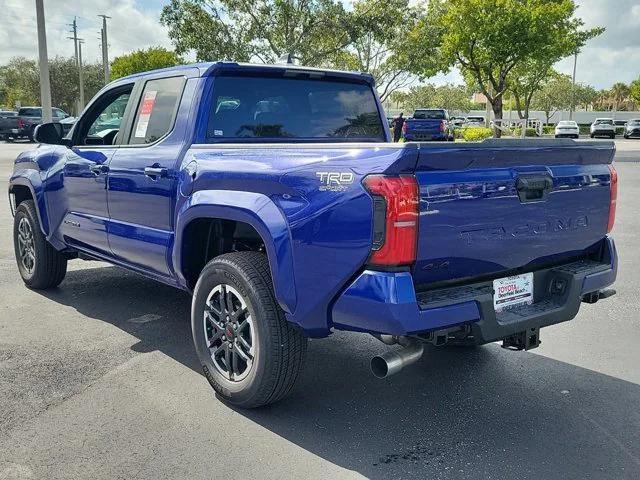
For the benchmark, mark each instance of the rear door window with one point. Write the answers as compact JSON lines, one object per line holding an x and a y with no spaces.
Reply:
{"x":157,"y":110}
{"x":291,"y":108}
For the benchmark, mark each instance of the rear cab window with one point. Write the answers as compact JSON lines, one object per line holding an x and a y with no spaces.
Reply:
{"x":292,"y":109}
{"x":157,"y":110}
{"x":30,"y":112}
{"x":430,"y":115}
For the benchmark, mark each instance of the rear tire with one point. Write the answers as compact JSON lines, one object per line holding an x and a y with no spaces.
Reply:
{"x":40,"y":265}
{"x":269,"y":351}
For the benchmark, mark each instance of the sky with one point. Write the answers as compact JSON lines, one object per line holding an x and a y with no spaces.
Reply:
{"x":134,"y":24}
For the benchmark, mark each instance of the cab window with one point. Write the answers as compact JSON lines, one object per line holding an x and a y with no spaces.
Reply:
{"x":156,"y":110}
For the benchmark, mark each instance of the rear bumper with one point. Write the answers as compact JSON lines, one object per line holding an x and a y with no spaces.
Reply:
{"x":386,"y":302}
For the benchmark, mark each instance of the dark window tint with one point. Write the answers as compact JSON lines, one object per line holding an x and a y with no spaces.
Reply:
{"x":157,"y":109}
{"x":30,"y":112}
{"x":429,"y":114}
{"x":288,"y":108}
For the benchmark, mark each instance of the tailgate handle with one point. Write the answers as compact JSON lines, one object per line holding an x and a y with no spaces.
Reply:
{"x":533,"y":188}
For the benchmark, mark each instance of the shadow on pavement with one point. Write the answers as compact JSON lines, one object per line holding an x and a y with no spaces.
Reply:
{"x":479,"y":413}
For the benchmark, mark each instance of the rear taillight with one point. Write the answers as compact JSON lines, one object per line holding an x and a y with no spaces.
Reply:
{"x":442,"y":126}
{"x":395,"y":219}
{"x":404,"y":127}
{"x":20,"y":123}
{"x":613,"y":197}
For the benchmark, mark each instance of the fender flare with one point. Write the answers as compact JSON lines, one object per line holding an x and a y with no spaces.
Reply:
{"x":256,"y":210}
{"x":27,"y":178}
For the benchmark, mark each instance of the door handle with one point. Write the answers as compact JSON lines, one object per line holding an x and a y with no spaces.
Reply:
{"x":98,"y":169}
{"x":155,"y":172}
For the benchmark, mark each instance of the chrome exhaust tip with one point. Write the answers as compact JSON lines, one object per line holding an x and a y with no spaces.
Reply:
{"x":390,"y":363}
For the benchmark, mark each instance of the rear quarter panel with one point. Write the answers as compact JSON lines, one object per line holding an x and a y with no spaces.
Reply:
{"x":323,"y":237}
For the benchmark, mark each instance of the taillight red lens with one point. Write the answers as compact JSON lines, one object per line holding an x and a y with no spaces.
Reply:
{"x":442,"y":126}
{"x":397,"y":246}
{"x":20,"y":123}
{"x":404,"y":127}
{"x":613,"y":198}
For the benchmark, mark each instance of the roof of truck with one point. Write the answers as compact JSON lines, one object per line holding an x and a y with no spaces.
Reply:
{"x":211,"y":68}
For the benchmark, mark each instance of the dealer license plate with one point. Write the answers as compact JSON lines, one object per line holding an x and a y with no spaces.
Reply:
{"x":513,"y":291}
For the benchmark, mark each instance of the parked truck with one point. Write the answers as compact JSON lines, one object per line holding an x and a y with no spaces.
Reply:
{"x":24,"y":123}
{"x":274,"y":195}
{"x":427,"y":124}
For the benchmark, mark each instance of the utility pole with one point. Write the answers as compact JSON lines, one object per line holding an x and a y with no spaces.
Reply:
{"x":573,"y":86}
{"x":105,"y":49}
{"x":80,"y":75}
{"x":74,"y":30}
{"x":45,"y":87}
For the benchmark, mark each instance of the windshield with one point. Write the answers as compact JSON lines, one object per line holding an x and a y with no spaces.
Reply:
{"x":568,"y":124}
{"x":429,"y":114}
{"x":604,"y":122}
{"x":288,"y":108}
{"x":634,"y":122}
{"x":475,"y":119}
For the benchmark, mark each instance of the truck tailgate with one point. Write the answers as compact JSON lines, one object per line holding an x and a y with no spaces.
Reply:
{"x":493,"y":208}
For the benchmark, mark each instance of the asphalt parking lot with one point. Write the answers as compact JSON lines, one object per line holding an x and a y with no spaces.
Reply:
{"x":98,"y":380}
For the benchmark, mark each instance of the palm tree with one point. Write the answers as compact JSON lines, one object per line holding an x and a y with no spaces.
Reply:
{"x":619,"y":94}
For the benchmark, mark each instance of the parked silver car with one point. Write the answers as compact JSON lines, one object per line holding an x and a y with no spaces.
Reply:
{"x":632,"y":128}
{"x":603,"y":127}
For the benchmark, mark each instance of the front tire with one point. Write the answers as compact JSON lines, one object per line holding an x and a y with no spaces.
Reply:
{"x":250,"y":354}
{"x":40,"y":265}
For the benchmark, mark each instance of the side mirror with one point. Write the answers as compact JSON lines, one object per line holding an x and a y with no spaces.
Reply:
{"x":50,"y":133}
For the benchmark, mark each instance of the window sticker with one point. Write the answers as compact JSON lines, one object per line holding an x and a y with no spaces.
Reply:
{"x":146,"y":108}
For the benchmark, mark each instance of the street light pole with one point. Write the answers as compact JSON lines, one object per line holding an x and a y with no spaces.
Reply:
{"x":573,"y":86}
{"x":45,"y":87}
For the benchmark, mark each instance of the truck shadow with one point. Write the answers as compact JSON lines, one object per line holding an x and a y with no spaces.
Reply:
{"x":479,"y":413}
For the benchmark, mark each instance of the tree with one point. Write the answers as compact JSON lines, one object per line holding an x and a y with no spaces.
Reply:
{"x":488,"y":39}
{"x":143,"y":60}
{"x":19,"y":82}
{"x":554,"y":95}
{"x":634,"y":91}
{"x":450,"y":97}
{"x":65,"y":87}
{"x":22,"y":79}
{"x":313,"y":32}
{"x":619,"y":94}
{"x":379,"y":48}
{"x":525,"y":80}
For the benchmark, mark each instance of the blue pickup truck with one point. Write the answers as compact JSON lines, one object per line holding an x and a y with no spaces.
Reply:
{"x":428,"y":124}
{"x":273,"y":193}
